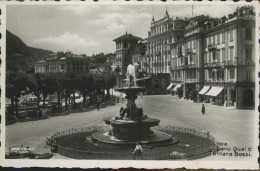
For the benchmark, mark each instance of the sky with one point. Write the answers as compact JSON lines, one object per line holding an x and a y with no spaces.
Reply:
{"x":90,"y":29}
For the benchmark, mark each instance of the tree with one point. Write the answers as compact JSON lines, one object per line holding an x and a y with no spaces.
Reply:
{"x":16,"y":82}
{"x":110,"y":81}
{"x":35,"y":86}
{"x":48,"y":82}
{"x":84,"y":79}
{"x":100,"y":58}
{"x":58,"y":77}
{"x":67,"y":84}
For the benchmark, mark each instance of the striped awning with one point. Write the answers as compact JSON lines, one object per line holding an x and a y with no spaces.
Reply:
{"x":204,"y":90}
{"x":176,"y":87}
{"x":214,"y":91}
{"x":170,"y":86}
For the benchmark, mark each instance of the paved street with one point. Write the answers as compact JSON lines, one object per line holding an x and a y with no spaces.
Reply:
{"x":235,"y":127}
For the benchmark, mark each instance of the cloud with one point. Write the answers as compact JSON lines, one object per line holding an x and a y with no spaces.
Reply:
{"x":113,"y":28}
{"x":79,"y":9}
{"x":117,"y":23}
{"x":67,"y":41}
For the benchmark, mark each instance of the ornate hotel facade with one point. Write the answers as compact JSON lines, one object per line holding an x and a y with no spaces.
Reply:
{"x":215,"y":57}
{"x":158,"y":53}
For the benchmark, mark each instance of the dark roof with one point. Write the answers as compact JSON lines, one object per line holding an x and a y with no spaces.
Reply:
{"x":127,"y":37}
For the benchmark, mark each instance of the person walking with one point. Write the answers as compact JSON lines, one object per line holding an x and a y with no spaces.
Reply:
{"x":203,"y":109}
{"x":138,"y":151}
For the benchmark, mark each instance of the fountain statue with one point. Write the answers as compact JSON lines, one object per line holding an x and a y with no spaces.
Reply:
{"x":131,"y":125}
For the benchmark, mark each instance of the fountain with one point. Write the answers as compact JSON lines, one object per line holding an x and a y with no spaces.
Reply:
{"x":131,"y":125}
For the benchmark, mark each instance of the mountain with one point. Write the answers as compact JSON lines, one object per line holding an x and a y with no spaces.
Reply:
{"x":19,"y":56}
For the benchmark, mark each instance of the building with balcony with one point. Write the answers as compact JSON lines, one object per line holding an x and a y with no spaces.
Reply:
{"x":158,"y":55}
{"x":187,"y":57}
{"x":229,"y":61}
{"x":216,"y":57}
{"x":63,"y":62}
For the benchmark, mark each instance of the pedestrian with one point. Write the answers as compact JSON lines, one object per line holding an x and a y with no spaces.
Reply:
{"x":97,"y":105}
{"x":138,"y":150}
{"x":203,"y":109}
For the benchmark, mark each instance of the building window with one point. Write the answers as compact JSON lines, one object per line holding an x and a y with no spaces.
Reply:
{"x":223,"y":55}
{"x":214,"y":75}
{"x":248,"y":75}
{"x":248,"y":54}
{"x":191,"y":59}
{"x":231,"y":55}
{"x":218,"y":55}
{"x":62,"y":67}
{"x":214,"y":56}
{"x":231,"y":74}
{"x":218,"y":39}
{"x":209,"y":42}
{"x":205,"y":58}
{"x":231,"y":35}
{"x":218,"y":75}
{"x":223,"y":37}
{"x":248,"y":34}
{"x":223,"y":75}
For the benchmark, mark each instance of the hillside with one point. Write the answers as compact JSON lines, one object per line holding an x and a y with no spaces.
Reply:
{"x":19,"y":56}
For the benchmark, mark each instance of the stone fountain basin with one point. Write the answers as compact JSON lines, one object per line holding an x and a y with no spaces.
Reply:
{"x":149,"y":122}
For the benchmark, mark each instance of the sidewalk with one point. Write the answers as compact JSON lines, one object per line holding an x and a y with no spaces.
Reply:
{"x":208,"y":104}
{"x":64,"y":112}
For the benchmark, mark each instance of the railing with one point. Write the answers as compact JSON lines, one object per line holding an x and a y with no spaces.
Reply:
{"x":212,"y":46}
{"x":191,"y":80}
{"x":250,"y":63}
{"x":230,"y":63}
{"x":188,"y":66}
{"x":214,"y":64}
{"x":191,"y":152}
{"x":188,"y":50}
{"x":207,"y":65}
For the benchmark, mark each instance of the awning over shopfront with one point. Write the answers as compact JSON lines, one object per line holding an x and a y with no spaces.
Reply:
{"x":214,"y":91}
{"x":204,"y":90}
{"x":176,"y":87}
{"x":170,"y":86}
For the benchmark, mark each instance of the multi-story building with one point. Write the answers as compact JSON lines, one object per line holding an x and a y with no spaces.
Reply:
{"x":216,"y":58}
{"x":63,"y":62}
{"x":162,"y":33}
{"x":187,"y":57}
{"x":229,"y":61}
{"x":125,"y":46}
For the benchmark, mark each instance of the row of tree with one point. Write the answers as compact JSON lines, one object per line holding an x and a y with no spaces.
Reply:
{"x":62,"y":84}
